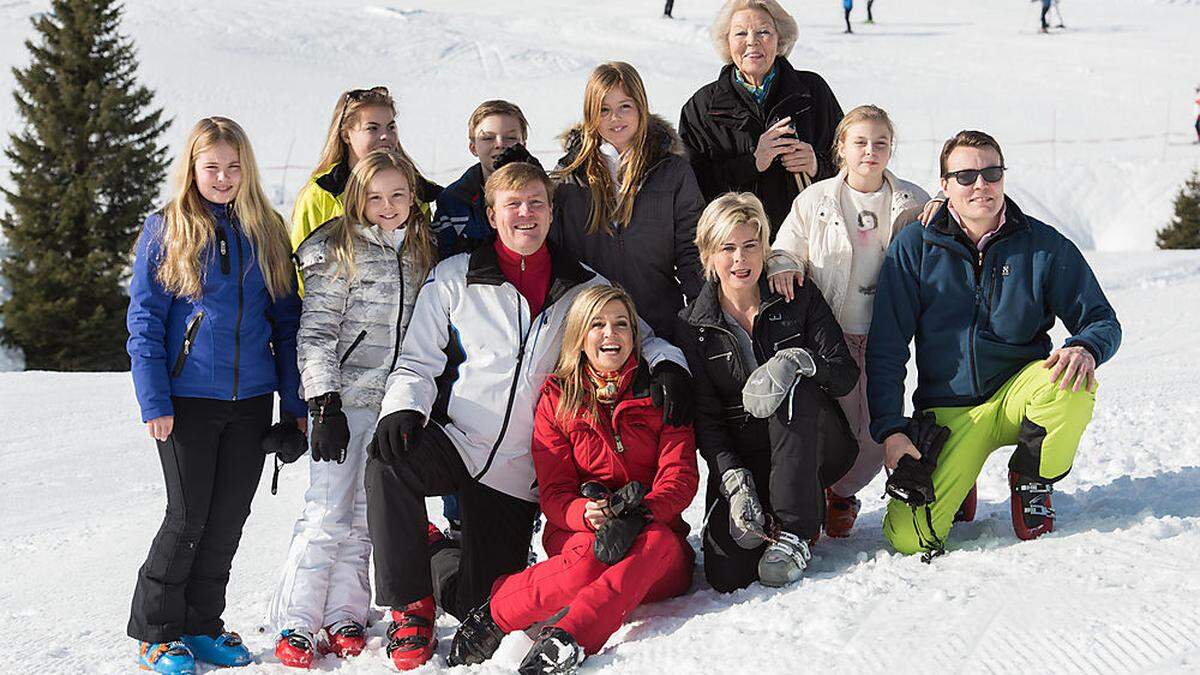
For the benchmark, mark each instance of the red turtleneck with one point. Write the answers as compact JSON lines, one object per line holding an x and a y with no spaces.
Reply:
{"x":529,"y":273}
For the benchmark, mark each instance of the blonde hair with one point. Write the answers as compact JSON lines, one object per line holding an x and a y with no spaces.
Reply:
{"x":515,"y":176}
{"x":346,"y":115}
{"x":785,"y":25}
{"x":863,"y":113}
{"x":418,"y":240}
{"x":189,"y":227}
{"x":571,"y":369}
{"x":721,"y":217}
{"x":497,"y":107}
{"x":607,"y":207}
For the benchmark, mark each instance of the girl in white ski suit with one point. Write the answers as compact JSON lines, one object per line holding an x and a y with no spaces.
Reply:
{"x":361,"y":277}
{"x":836,"y":235}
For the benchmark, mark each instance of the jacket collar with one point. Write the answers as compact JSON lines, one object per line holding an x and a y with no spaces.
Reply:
{"x":334,"y":180}
{"x":483,"y":267}
{"x":943,"y":224}
{"x":732,"y":99}
{"x":706,"y":310}
{"x":663,"y":141}
{"x":469,"y":188}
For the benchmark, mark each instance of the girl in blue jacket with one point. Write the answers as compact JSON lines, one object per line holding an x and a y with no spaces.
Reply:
{"x":212,"y":321}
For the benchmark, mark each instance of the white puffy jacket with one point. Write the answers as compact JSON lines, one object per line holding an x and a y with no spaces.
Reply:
{"x":813,"y":237}
{"x":474,"y":361}
{"x":350,"y":329}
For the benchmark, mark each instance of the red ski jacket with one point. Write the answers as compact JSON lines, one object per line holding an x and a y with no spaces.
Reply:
{"x":632,"y":444}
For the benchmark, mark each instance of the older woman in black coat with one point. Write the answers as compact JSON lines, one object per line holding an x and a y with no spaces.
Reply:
{"x":762,"y":126}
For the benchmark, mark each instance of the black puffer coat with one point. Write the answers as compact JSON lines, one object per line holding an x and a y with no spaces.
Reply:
{"x":723,"y":428}
{"x":721,"y":124}
{"x":654,"y":257}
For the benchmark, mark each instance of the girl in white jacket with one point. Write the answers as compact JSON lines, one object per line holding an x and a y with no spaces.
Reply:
{"x":835,"y":236}
{"x":361,"y":273}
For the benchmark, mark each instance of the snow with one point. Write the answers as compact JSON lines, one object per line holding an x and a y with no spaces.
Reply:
{"x":1096,"y":124}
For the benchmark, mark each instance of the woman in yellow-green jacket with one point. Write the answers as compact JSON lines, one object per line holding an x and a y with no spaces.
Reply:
{"x":363,"y":120}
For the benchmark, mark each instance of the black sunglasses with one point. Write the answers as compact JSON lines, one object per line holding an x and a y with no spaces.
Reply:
{"x":991,"y":174}
{"x":358,"y":95}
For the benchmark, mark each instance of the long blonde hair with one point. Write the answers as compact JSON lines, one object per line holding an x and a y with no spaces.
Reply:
{"x":189,"y":227}
{"x":418,"y":240}
{"x":605,"y":206}
{"x":571,"y":369}
{"x":346,"y":116}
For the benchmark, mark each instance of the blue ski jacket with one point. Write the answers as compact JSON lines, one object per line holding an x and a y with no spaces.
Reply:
{"x":233,"y":342}
{"x":461,"y":223}
{"x":978,"y":316}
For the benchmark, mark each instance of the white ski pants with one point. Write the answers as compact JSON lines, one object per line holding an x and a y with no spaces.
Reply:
{"x":326,"y":578}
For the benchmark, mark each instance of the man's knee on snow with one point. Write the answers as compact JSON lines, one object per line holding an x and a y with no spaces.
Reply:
{"x":900,"y":529}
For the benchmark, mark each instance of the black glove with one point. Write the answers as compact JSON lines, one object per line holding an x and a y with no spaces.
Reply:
{"x":671,"y":390}
{"x":396,"y":435}
{"x":616,"y":535}
{"x":285,"y":440}
{"x":619,"y":501}
{"x":330,"y":433}
{"x":912,"y":481}
{"x":514,"y":153}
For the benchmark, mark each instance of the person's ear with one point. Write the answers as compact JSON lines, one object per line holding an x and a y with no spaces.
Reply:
{"x":491,"y":216}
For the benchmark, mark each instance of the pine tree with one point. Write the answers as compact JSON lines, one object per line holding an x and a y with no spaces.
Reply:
{"x":1184,"y":230}
{"x":87,"y":168}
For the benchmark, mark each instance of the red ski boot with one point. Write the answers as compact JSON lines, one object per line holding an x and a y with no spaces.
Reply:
{"x":294,"y":648}
{"x":344,"y":638}
{"x":1032,"y":513}
{"x":840,"y":513}
{"x":410,"y":635}
{"x":966,"y":510}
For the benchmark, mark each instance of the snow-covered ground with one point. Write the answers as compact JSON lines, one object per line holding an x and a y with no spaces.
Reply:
{"x":1096,"y":127}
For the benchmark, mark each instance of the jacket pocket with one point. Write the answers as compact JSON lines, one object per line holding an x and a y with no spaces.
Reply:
{"x":189,"y":339}
{"x":353,"y":345}
{"x":796,"y":340}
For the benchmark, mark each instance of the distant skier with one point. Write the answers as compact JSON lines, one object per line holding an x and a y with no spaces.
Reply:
{"x":848,"y":5}
{"x":667,"y":9}
{"x":1045,"y":10}
{"x":1198,"y":113}
{"x":870,"y":17}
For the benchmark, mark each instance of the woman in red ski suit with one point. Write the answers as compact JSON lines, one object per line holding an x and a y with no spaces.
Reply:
{"x":614,"y":435}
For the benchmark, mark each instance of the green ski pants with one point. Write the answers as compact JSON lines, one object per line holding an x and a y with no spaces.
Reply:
{"x":1030,"y":411}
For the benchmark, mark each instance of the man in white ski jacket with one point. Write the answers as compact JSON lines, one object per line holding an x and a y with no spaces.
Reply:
{"x":458,"y":413}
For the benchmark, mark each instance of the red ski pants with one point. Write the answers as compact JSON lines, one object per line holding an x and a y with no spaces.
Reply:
{"x":597,"y":596}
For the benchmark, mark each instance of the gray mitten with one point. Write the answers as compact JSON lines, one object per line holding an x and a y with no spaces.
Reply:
{"x":767,"y":386}
{"x":746,"y":518}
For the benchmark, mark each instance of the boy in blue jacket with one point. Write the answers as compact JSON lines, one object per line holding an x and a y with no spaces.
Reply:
{"x":496,"y":134}
{"x":979,"y":287}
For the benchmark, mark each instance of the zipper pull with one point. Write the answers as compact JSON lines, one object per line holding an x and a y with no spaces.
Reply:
{"x":522,"y":263}
{"x":620,"y":446}
{"x":224,"y":248}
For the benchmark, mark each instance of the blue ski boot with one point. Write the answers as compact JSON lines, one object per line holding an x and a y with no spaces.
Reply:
{"x":166,"y":657}
{"x":225,"y":650}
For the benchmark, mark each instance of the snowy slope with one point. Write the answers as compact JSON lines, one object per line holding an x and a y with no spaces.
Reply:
{"x":1114,"y":590}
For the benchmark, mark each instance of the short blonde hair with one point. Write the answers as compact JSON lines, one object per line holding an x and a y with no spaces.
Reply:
{"x":515,"y":176}
{"x":497,"y":107}
{"x":721,"y":217}
{"x":785,"y":25}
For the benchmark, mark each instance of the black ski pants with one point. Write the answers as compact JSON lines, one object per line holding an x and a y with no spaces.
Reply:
{"x":496,"y":529}
{"x":668,"y":8}
{"x":211,"y":462}
{"x":793,"y":455}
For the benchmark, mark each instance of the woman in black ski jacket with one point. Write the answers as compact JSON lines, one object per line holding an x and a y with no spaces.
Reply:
{"x":762,"y":126}
{"x":626,"y":202}
{"x":766,"y":477}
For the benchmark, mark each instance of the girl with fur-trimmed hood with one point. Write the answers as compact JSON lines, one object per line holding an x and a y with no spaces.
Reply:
{"x":627,"y":201}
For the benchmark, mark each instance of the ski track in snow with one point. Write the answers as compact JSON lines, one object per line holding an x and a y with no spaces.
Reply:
{"x":1113,"y":591}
